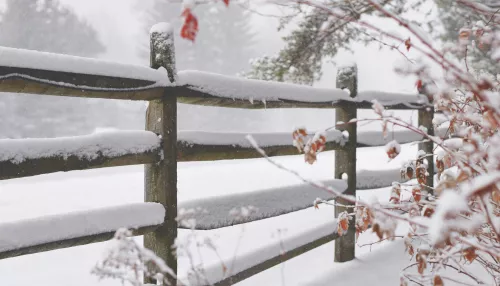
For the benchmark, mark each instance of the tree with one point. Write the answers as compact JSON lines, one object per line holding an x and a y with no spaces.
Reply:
{"x":223,"y":46}
{"x":49,"y":27}
{"x":457,"y":21}
{"x":319,"y":35}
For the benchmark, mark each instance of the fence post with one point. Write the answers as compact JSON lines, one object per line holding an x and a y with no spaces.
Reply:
{"x":425,"y":116}
{"x":161,"y":178}
{"x":345,"y":159}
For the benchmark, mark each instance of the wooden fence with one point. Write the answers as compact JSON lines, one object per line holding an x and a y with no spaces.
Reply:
{"x":71,"y":76}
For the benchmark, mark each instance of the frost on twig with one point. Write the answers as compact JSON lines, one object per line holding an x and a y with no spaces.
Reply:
{"x":127,"y":261}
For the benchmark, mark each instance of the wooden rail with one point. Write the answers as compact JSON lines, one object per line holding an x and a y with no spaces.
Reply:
{"x":71,"y":242}
{"x":278,"y":259}
{"x":199,"y":152}
{"x":164,"y":88}
{"x":11,"y":170}
{"x":77,"y":228}
{"x":186,"y":151}
{"x":190,"y":95}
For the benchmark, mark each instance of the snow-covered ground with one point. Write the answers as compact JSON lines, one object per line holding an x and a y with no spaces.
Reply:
{"x":83,"y":190}
{"x":236,"y":246}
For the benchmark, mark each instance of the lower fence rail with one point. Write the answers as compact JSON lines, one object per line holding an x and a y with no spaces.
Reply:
{"x":242,"y":275}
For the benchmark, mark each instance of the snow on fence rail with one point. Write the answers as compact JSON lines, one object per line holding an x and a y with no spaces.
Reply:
{"x":78,"y":228}
{"x":209,"y":146}
{"x":203,"y":88}
{"x":29,"y":157}
{"x":161,"y":146}
{"x":25,"y":71}
{"x":212,"y":146}
{"x":249,"y":264}
{"x":212,"y":213}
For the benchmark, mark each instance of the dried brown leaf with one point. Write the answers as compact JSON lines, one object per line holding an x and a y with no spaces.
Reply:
{"x":438,"y":281}
{"x":470,"y":254}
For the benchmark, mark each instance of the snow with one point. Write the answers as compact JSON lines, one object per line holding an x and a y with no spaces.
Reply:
{"x":19,"y":58}
{"x":243,"y":244}
{"x":247,"y":259}
{"x":83,"y":87}
{"x":213,"y":212}
{"x":238,"y":139}
{"x":376,"y":138}
{"x":453,"y":143}
{"x":449,"y":206}
{"x":107,"y":144}
{"x":196,"y":181}
{"x":249,"y":89}
{"x":391,"y":98}
{"x":393,"y":146}
{"x":264,"y":139}
{"x":41,"y":230}
{"x":161,"y":28}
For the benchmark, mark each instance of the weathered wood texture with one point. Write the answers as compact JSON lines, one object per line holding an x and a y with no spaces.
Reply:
{"x":10,"y":170}
{"x":185,"y":152}
{"x":345,"y":160}
{"x":59,"y":83}
{"x":425,"y":117}
{"x":188,"y":95}
{"x":249,"y":272}
{"x":197,"y":152}
{"x":161,"y":178}
{"x":70,"y":242}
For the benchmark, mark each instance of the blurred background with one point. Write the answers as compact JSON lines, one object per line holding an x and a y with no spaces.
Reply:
{"x":118,"y":30}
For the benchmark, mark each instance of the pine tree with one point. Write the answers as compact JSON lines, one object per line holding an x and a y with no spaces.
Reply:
{"x":454,"y":18}
{"x":46,"y":25}
{"x":319,"y":36}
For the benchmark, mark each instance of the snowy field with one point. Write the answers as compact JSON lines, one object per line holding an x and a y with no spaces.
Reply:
{"x":237,"y":245}
{"x":76,"y":191}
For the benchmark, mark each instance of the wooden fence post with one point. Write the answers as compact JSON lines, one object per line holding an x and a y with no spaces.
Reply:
{"x":161,"y":178}
{"x":345,"y":159}
{"x":425,"y":117}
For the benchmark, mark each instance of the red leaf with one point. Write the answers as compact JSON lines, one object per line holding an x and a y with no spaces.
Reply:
{"x":190,"y":27}
{"x":417,"y":194}
{"x":408,"y":44}
{"x":343,"y":223}
{"x":419,"y":84}
{"x":226,"y":2}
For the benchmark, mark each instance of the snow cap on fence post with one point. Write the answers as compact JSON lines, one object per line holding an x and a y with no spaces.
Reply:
{"x":163,"y":49}
{"x":345,"y":158}
{"x":347,"y":78}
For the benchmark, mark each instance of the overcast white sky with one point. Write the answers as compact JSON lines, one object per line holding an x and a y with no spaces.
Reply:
{"x":118,"y":24}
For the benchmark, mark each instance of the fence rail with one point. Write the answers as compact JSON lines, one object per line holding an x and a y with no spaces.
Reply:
{"x":191,"y":146}
{"x":49,"y":74}
{"x":79,"y":228}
